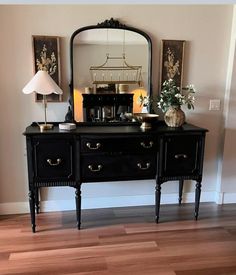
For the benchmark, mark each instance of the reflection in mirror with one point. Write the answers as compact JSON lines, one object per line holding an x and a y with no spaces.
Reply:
{"x":111,"y":68}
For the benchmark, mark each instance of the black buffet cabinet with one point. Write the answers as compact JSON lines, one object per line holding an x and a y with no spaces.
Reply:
{"x":113,"y":153}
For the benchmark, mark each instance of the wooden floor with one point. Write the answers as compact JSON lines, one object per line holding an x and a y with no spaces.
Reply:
{"x":122,"y":241}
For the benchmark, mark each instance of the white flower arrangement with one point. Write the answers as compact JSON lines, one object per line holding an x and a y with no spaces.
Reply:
{"x":171,"y":95}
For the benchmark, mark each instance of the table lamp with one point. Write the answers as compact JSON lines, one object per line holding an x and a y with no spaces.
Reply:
{"x":43,"y":84}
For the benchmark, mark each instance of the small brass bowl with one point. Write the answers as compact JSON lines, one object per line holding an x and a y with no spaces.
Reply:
{"x":146,"y":119}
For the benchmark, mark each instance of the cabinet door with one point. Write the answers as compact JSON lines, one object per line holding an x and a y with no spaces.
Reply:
{"x":180,"y":155}
{"x":53,"y":159}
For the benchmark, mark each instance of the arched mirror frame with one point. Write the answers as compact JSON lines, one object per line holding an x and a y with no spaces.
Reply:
{"x":109,"y":24}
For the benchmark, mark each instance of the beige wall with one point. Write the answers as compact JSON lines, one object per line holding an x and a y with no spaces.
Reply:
{"x":206,"y":29}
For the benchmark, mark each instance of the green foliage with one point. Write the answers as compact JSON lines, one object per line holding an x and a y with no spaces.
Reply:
{"x":172,"y":96}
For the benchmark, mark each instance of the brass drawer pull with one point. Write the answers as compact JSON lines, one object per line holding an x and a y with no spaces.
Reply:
{"x":146,"y":145}
{"x":89,"y":145}
{"x":51,"y":163}
{"x":99,"y":168}
{"x":145,"y":167}
{"x":181,"y":156}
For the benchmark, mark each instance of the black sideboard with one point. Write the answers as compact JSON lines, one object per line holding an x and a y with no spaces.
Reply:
{"x":93,"y":153}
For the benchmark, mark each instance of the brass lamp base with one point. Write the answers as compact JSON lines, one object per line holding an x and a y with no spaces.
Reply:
{"x":44,"y":127}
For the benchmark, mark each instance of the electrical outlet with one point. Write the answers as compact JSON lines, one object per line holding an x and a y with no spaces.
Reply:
{"x":214,"y":105}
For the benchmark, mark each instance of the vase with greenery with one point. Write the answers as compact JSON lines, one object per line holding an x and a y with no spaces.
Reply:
{"x":172,"y":98}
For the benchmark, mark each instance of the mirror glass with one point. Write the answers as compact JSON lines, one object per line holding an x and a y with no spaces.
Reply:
{"x":109,"y":65}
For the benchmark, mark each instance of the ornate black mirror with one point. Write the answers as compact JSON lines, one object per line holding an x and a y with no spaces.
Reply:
{"x":111,"y":65}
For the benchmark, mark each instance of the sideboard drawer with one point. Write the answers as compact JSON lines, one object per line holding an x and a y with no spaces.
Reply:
{"x":180,"y":155}
{"x":142,"y":144}
{"x":126,"y":167}
{"x":53,"y":159}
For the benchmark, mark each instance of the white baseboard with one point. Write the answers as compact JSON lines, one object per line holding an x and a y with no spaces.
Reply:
{"x":229,"y":198}
{"x":224,"y":198}
{"x":105,"y":202}
{"x":219,"y":197}
{"x":14,"y":208}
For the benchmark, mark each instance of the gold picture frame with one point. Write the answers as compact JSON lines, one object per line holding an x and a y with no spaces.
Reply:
{"x":46,"y":54}
{"x":172,"y":59}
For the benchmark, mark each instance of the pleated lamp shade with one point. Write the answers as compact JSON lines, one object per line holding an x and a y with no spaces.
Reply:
{"x":43,"y":84}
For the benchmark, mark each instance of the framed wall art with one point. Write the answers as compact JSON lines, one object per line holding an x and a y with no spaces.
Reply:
{"x":46,"y":53}
{"x":172,"y":58}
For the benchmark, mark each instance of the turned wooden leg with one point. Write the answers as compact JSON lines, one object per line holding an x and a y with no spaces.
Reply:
{"x":197,"y":198}
{"x":181,"y":184}
{"x":32,"y":209}
{"x":158,"y":200}
{"x":78,"y":206}
{"x":37,"y":205}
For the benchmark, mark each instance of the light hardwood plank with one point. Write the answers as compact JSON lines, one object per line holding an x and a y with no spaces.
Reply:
{"x":122,"y":241}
